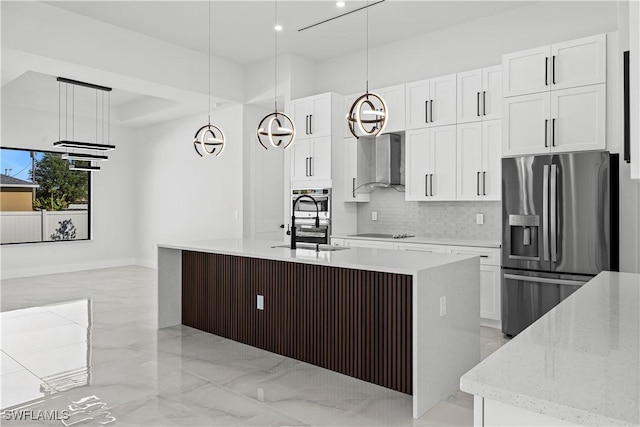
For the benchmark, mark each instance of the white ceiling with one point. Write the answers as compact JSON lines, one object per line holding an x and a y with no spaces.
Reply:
{"x":242,"y":31}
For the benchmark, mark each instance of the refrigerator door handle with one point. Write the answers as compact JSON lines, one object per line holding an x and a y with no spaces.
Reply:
{"x":554,"y":213}
{"x":545,"y":213}
{"x":544,"y":280}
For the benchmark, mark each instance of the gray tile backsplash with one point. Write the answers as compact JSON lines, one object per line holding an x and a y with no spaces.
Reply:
{"x":456,"y":220}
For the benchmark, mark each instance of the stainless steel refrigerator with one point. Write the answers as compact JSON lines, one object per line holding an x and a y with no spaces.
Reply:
{"x":559,"y":229}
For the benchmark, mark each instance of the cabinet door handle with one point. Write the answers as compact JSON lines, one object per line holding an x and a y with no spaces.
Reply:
{"x":426,"y":184}
{"x":546,"y":71}
{"x":426,"y":111}
{"x":478,"y":184}
{"x":484,"y":183}
{"x":306,"y":124}
{"x":310,"y":124}
{"x":431,"y":184}
{"x":546,"y":126}
{"x":553,"y":69}
{"x":306,"y":166}
{"x":310,"y":166}
{"x":431,"y":112}
{"x":478,"y":104}
{"x":553,"y":132}
{"x":353,"y":188}
{"x":484,"y":102}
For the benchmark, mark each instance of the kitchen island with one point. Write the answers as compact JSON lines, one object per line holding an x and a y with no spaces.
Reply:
{"x":405,"y":321}
{"x":579,"y":364}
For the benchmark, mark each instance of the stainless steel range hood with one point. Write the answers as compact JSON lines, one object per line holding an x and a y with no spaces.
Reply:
{"x":388,"y":151}
{"x":383,"y":166}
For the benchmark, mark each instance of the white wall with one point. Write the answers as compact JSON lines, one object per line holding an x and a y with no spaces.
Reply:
{"x":181,"y":196}
{"x":466,"y":46}
{"x":111,"y":205}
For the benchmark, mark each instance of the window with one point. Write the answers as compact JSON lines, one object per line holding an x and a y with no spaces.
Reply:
{"x":41,"y":200}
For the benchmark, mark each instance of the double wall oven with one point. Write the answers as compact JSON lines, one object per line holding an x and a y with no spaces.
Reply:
{"x":305,"y":214}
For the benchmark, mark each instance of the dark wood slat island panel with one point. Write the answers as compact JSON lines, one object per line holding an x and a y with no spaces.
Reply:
{"x":355,"y":322}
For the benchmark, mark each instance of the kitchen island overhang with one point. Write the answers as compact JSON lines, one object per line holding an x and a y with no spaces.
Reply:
{"x":373,"y":314}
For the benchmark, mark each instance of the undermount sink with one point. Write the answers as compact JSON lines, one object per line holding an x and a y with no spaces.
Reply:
{"x":312,"y":247}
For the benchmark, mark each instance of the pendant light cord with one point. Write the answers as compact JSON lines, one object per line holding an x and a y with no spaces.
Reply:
{"x":209,"y":61}
{"x":275,"y":59}
{"x":367,"y":66}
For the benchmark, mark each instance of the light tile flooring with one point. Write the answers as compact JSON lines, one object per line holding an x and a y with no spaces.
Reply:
{"x":87,"y":342}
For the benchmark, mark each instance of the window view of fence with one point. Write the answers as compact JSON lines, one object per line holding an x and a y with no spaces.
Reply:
{"x":41,"y":200}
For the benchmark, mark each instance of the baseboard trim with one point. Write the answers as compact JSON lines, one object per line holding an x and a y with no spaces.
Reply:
{"x":147,"y":263}
{"x":64,"y":268}
{"x":490,"y":323}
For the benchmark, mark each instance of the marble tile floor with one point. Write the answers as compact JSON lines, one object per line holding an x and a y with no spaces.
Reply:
{"x":86,"y":342}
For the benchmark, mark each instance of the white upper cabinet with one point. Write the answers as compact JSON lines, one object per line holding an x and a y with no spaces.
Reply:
{"x":526,"y":71}
{"x":480,"y":95}
{"x":394,"y":98}
{"x":578,"y":119}
{"x":431,"y":102}
{"x":469,"y":96}
{"x":558,"y":66}
{"x":311,"y":160}
{"x":312,"y":116}
{"x":492,"y":93}
{"x":557,"y":121}
{"x":579,"y":62}
{"x":442,"y":102}
{"x":417,"y":101}
{"x":479,"y":167}
{"x":526,"y":124}
{"x":431,"y":164}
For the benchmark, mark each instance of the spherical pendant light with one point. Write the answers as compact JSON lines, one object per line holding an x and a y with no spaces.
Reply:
{"x":277,"y":130}
{"x":368,"y":114}
{"x":209,"y":139}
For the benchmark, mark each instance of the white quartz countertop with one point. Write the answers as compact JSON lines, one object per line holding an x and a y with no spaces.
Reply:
{"x":428,"y":240}
{"x":580,"y":362}
{"x":384,"y":260}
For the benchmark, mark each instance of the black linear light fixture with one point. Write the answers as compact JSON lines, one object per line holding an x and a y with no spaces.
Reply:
{"x":277,"y":128}
{"x":209,"y":138}
{"x":369,"y":112}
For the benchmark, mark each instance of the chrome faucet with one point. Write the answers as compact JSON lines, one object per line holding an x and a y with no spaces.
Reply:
{"x":293,"y":217}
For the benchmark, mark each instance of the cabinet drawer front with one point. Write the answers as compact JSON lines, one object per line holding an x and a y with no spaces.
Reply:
{"x":422,"y":247}
{"x":357,"y":243}
{"x":488,"y":256}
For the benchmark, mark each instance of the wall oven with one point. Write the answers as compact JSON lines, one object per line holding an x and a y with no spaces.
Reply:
{"x":305,"y":214}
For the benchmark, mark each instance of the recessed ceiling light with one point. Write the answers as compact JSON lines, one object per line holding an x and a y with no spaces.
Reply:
{"x":278,"y":27}
{"x":340,"y":3}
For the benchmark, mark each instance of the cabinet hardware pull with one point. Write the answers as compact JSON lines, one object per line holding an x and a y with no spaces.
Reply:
{"x":484,"y":183}
{"x":306,"y":124}
{"x":478,"y":104}
{"x":310,"y":166}
{"x":553,"y":132}
{"x":484,"y":102}
{"x":310,"y":124}
{"x":546,"y":123}
{"x":353,"y":188}
{"x":431,"y":113}
{"x":306,"y":166}
{"x":553,"y":70}
{"x":426,"y":111}
{"x":426,"y":184}
{"x":478,"y":184}
{"x":546,"y":71}
{"x":431,"y":184}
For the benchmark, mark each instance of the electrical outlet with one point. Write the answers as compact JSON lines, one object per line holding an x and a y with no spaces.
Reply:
{"x":260,"y":302}
{"x":374,"y":216}
{"x":480,"y":219}
{"x":443,"y":306}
